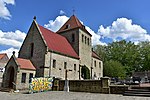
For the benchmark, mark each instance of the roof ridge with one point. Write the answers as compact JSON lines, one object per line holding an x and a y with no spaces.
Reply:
{"x":73,"y":23}
{"x":77,"y":21}
{"x":3,"y":53}
{"x":51,"y":31}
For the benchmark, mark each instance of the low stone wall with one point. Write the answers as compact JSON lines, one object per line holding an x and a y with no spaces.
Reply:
{"x":118,"y":89}
{"x":93,"y":86}
{"x":83,"y":86}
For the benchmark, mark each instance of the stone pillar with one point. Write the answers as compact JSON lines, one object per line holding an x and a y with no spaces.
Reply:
{"x":105,"y":85}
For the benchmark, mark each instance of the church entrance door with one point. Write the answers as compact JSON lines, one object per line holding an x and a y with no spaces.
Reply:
{"x":11,"y":77}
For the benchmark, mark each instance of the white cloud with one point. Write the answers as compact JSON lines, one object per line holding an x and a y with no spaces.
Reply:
{"x":13,"y":39}
{"x":9,"y":52}
{"x":124,"y":28}
{"x":4,"y":12}
{"x":62,"y":12}
{"x":95,"y":37}
{"x":9,"y":1}
{"x":56,"y":24}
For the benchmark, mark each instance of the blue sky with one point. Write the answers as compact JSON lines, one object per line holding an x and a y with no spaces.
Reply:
{"x":106,"y":20}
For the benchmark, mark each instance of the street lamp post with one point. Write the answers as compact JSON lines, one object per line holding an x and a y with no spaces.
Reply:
{"x":66,"y":87}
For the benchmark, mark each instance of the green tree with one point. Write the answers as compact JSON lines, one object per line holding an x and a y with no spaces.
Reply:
{"x":114,"y":69}
{"x":132,"y":57}
{"x":126,"y":53}
{"x":144,"y":48}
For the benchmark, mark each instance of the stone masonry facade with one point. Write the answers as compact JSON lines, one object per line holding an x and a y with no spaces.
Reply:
{"x":38,"y":58}
{"x":52,"y":63}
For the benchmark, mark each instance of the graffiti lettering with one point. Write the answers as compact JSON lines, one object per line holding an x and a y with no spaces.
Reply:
{"x":40,"y":84}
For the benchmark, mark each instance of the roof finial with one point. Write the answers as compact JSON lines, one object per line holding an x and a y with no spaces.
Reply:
{"x":73,"y":11}
{"x":13,"y":52}
{"x":34,"y":17}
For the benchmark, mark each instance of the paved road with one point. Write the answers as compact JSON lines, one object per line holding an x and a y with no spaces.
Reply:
{"x":60,"y":95}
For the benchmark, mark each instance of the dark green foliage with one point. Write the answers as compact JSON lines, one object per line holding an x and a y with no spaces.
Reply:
{"x":132,"y":57}
{"x":114,"y":69}
{"x":85,"y":72}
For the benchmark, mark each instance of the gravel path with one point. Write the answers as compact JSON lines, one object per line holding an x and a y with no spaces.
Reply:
{"x":60,"y":95}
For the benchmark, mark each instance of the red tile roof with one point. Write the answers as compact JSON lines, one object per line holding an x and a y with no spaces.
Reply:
{"x":95,"y":55}
{"x":2,"y":55}
{"x":57,"y":43}
{"x":25,"y":64}
{"x":73,"y":23}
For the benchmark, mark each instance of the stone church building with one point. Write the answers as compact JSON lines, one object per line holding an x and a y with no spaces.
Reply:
{"x":52,"y":53}
{"x":69,"y":48}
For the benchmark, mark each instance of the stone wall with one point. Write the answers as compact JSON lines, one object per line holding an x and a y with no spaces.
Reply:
{"x":98,"y":69}
{"x":59,"y":71}
{"x":118,"y":89}
{"x":68,"y":35}
{"x":25,"y":85}
{"x":82,"y":49}
{"x":85,"y":50}
{"x":93,"y":86}
{"x":39,"y":49}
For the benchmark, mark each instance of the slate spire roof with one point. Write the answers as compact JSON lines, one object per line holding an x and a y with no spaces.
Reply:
{"x":73,"y":23}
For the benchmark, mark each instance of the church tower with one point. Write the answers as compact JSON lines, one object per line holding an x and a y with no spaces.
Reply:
{"x":79,"y":38}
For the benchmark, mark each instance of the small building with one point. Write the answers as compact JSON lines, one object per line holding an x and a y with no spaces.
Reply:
{"x":3,"y":61}
{"x":18,"y":73}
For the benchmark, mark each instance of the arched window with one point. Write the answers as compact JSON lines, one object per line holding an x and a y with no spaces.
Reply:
{"x":82,"y":38}
{"x":54,"y":63}
{"x":73,"y":37}
{"x":85,"y":39}
{"x":75,"y":67}
{"x":95,"y":63}
{"x":88,"y":41}
{"x":65,"y":65}
{"x":32,"y":49}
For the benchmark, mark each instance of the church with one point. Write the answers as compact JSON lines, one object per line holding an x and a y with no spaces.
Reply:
{"x":54,"y":53}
